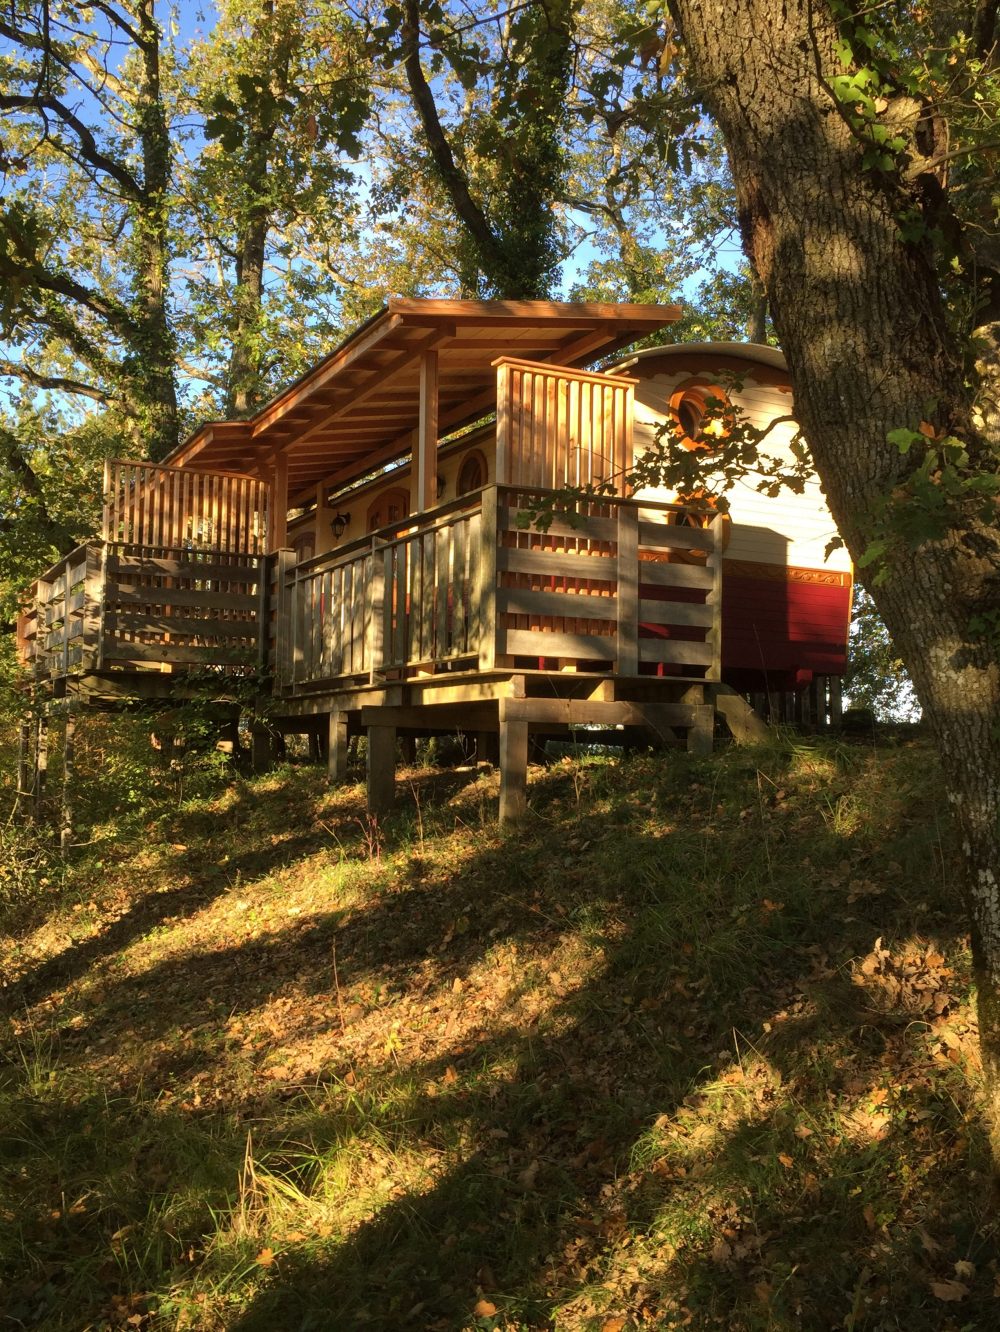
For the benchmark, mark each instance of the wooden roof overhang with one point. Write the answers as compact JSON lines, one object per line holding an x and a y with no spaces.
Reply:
{"x":360,"y":406}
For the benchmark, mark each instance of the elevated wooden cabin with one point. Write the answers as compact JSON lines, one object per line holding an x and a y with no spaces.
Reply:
{"x":364,"y":546}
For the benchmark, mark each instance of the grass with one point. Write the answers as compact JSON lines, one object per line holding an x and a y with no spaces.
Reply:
{"x":692,"y":1047}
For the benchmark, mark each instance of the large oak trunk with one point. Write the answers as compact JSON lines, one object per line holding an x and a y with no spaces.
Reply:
{"x":861,"y":318}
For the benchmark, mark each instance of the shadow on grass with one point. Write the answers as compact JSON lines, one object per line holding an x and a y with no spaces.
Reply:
{"x":547,"y":1136}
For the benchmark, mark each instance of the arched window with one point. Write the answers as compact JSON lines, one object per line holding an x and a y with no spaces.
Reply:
{"x":702,"y":411}
{"x":472,"y":474}
{"x":392,"y":506}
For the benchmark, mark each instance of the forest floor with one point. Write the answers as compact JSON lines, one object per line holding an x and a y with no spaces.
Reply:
{"x":691,"y":1047}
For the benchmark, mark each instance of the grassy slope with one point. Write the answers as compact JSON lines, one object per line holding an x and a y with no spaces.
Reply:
{"x":639,"y":1064}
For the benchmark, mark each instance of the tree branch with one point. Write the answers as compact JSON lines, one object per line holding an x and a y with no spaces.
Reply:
{"x":454,"y":181}
{"x":43,"y":102}
{"x":17,"y":370}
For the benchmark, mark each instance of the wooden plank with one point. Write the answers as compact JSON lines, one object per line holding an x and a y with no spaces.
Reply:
{"x":656,"y":574}
{"x":337,"y":740}
{"x":596,"y":529}
{"x":627,"y":662}
{"x":207,"y":627}
{"x":537,"y":643}
{"x":591,"y":712}
{"x":513,"y":770}
{"x":151,"y":566}
{"x":578,"y":605}
{"x":677,"y":613}
{"x":486,"y":580}
{"x":503,"y":441}
{"x":668,"y":536}
{"x":676,"y":651}
{"x":427,"y":433}
{"x":379,"y":610}
{"x":119,"y":652}
{"x":381,"y":769}
{"x":126,"y":595}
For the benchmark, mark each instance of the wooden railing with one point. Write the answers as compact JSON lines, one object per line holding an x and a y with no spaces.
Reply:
{"x":178,"y":509}
{"x":625,"y":586}
{"x":560,"y":428}
{"x":121,"y":606}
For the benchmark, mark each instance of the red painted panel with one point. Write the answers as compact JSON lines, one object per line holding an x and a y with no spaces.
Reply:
{"x":776,"y":625}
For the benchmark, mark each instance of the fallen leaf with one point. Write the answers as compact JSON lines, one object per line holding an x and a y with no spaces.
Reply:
{"x":950,"y":1290}
{"x":450,"y":1075}
{"x":484,"y":1309}
{"x":266,"y":1257}
{"x":613,"y":1324}
{"x":785,"y":1160}
{"x":963,"y":1268}
{"x":869,"y":1215}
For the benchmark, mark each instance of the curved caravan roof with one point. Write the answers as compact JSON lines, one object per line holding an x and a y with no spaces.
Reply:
{"x":714,"y":353}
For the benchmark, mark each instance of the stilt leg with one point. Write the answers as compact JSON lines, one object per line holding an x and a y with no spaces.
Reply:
{"x":41,"y":763}
{"x":513,"y":770}
{"x":69,"y":754}
{"x":260,"y":749}
{"x":381,"y":769}
{"x":336,"y":753}
{"x":23,"y":770}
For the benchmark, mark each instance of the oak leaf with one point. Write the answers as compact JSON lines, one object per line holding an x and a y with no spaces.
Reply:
{"x":484,"y":1309}
{"x":949,"y":1290}
{"x":266,"y":1257}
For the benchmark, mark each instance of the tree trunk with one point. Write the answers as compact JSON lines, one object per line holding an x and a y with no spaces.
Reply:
{"x":860,"y":315}
{"x":152,"y":360}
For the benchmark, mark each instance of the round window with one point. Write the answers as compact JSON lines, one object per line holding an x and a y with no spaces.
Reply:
{"x":701,"y":410}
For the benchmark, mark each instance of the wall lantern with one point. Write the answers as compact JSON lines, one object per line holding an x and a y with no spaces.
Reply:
{"x":338,"y":524}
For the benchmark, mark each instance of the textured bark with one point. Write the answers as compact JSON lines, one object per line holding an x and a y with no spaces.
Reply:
{"x":244,"y":375}
{"x":152,"y":358}
{"x":860,"y":316}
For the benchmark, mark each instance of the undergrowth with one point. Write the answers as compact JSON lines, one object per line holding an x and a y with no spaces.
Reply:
{"x":690,"y":1047}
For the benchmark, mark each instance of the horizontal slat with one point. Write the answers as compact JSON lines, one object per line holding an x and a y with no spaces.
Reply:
{"x":125,"y":595}
{"x":589,"y":712}
{"x":522,"y":601}
{"x":535,"y":643}
{"x":667,"y":536}
{"x":557,"y":564}
{"x":676,"y":650}
{"x":117,"y":653}
{"x":656,"y":573}
{"x":213,"y":627}
{"x":242,"y":570}
{"x":594,"y":529}
{"x":675,"y":612}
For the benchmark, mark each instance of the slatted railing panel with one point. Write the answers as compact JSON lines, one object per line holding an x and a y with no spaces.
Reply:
{"x":331,"y":618}
{"x":175,"y":508}
{"x":560,"y":428}
{"x":431,"y":589}
{"x":61,"y":617}
{"x":620,"y":586}
{"x":168,"y":606}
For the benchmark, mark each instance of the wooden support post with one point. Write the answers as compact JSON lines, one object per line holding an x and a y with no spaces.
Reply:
{"x":714,"y":597}
{"x":23,"y":769}
{"x":336,"y":753}
{"x":486,"y":581}
{"x":381,"y":769}
{"x":408,"y":749}
{"x":41,"y":764}
{"x":513,"y":770}
{"x":628,"y":590}
{"x":700,"y":736}
{"x":260,"y":748}
{"x":69,"y":753}
{"x":278,"y":536}
{"x":427,"y":434}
